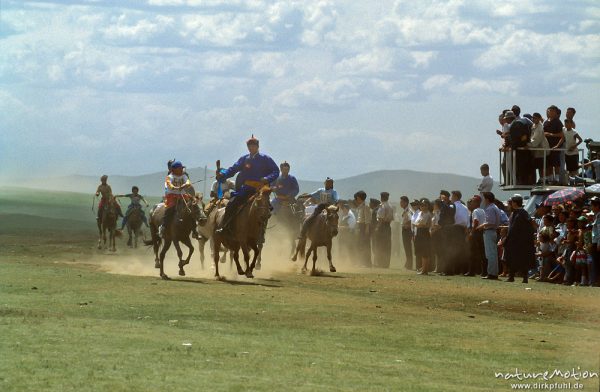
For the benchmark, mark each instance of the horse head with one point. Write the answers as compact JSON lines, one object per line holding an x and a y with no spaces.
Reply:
{"x":332,"y":220}
{"x":261,"y":205}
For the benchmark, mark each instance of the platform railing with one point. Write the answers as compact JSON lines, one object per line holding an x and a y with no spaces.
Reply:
{"x":508,"y":167}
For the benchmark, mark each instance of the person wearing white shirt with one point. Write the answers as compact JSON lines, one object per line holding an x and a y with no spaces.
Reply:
{"x":346,"y":240}
{"x":476,"y":247}
{"x":383,"y":232}
{"x":538,"y":140}
{"x":423,"y":236}
{"x":363,"y":229}
{"x":487,"y":182}
{"x":572,"y":141}
{"x":406,"y":230}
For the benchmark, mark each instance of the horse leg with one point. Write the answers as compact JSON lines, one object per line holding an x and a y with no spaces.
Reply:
{"x":236,"y":258}
{"x":331,"y":267}
{"x":163,"y":252}
{"x":310,"y":250}
{"x":113,"y":240}
{"x":257,"y":256}
{"x":156,"y":245}
{"x":129,"y":242}
{"x":179,"y":256}
{"x":216,"y":259}
{"x":187,"y":243}
{"x":314,"y":269}
{"x":256,"y":253}
{"x":201,"y":244}
{"x":246,"y":253}
{"x":99,"y":233}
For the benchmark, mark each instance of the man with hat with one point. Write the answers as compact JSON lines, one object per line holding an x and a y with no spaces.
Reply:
{"x":519,"y":246}
{"x":285,"y":188}
{"x":255,"y":170}
{"x":383,"y":232}
{"x":326,"y":195}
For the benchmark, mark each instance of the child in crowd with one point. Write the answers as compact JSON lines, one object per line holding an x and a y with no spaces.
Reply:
{"x":546,"y":255}
{"x":572,"y":141}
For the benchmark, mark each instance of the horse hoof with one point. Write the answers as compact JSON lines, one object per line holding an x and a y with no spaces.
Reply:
{"x":249,"y":275}
{"x":181,"y":272}
{"x":165,"y":277}
{"x":157,"y":265}
{"x":332,"y":269}
{"x":219,"y":278}
{"x":294,"y":258}
{"x":240,"y":272}
{"x":303,"y":270}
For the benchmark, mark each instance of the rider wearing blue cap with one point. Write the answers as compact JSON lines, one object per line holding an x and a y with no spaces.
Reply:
{"x":285,"y":187}
{"x":255,"y":170}
{"x":176,"y":185}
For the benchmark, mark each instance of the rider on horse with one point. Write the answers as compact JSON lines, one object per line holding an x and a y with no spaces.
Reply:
{"x":285,"y":187}
{"x":255,"y":170}
{"x":106,"y":191}
{"x":136,"y":202}
{"x":324,"y":197}
{"x":176,"y":184}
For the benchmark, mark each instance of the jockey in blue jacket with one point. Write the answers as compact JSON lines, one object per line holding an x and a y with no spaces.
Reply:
{"x":285,"y":187}
{"x":255,"y":170}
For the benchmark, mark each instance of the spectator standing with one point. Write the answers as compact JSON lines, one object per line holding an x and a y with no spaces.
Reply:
{"x":490,"y":239}
{"x":383,"y":232}
{"x":519,"y":245}
{"x":538,"y":140}
{"x":572,"y":142}
{"x":363,"y":229}
{"x":406,"y":231}
{"x":553,"y":130}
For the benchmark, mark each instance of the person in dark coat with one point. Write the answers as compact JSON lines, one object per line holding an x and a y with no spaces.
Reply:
{"x":446,"y":223}
{"x":519,"y":247}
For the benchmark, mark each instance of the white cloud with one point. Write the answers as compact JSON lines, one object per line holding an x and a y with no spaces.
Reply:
{"x":319,"y":93}
{"x":436,"y":81}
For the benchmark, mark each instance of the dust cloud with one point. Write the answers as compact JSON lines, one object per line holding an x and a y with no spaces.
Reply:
{"x":276,"y":260}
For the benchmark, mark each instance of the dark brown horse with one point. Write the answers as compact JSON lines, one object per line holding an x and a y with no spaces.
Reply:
{"x":320,"y":233}
{"x":249,"y":226}
{"x":134,"y":225}
{"x":108,"y":223}
{"x":178,"y":231}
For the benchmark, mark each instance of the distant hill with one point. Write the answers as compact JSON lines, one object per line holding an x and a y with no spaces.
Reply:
{"x":414,"y":184}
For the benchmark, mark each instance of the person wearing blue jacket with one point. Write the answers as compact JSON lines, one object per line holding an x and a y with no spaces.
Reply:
{"x":253,"y":171}
{"x":285,"y":188}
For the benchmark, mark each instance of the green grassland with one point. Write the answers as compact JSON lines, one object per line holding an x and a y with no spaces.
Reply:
{"x":69,"y":326}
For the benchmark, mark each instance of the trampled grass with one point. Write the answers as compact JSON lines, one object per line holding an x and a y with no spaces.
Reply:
{"x":70,"y":326}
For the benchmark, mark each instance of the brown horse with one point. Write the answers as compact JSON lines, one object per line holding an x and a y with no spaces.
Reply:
{"x":134,"y":225}
{"x":108,"y":223}
{"x":320,"y":233}
{"x":179,"y":230}
{"x":249,"y":224}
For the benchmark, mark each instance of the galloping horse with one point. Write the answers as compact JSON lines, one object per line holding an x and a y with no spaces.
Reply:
{"x":108,"y":223}
{"x":187,"y":213}
{"x":321,"y":232}
{"x":134,"y":225}
{"x":249,"y":225}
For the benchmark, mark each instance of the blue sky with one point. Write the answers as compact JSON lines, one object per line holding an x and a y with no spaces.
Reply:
{"x":337,"y":88}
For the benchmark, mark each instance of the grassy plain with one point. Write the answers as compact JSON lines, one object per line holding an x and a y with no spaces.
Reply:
{"x":66,"y":324}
